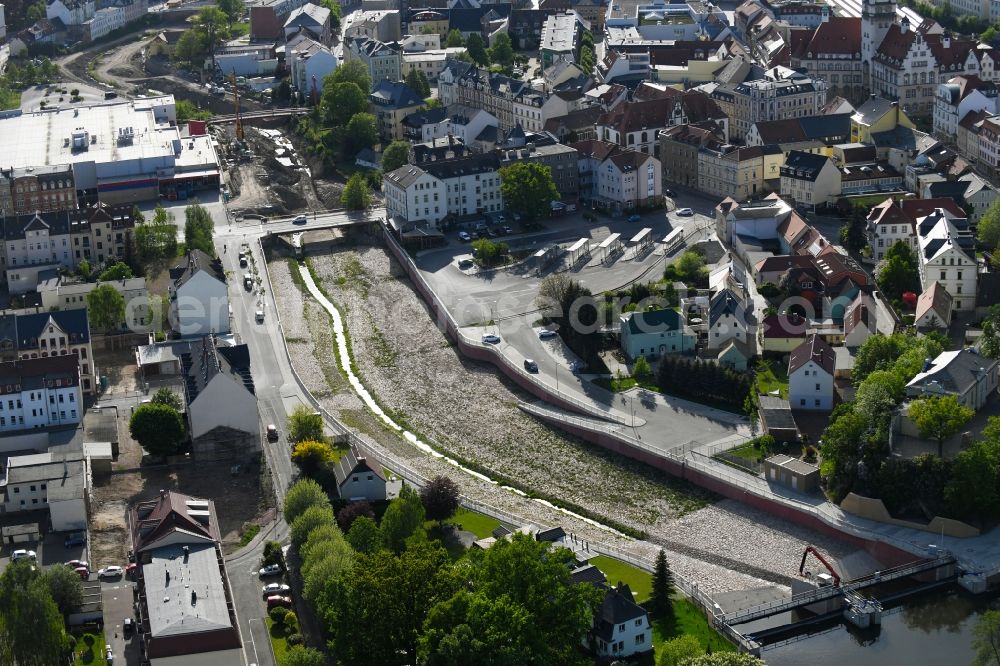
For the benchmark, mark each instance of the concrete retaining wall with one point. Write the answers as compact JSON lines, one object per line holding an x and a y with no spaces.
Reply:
{"x":874,"y":509}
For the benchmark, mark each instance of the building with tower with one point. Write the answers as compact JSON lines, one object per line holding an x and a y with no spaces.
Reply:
{"x":877,"y":16}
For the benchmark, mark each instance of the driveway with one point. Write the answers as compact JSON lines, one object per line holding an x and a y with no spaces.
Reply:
{"x":116,"y":595}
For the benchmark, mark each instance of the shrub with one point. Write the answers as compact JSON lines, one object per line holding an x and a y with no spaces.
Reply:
{"x":294,"y":639}
{"x":74,"y":92}
{"x":291,"y":622}
{"x":277,"y":614}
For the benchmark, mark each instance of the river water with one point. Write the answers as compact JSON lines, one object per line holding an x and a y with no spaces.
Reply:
{"x":933,"y":629}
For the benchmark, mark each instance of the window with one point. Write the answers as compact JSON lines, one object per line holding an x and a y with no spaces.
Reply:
{"x":817,"y":403}
{"x":641,"y":638}
{"x":17,"y":490}
{"x":638,"y":622}
{"x":802,"y":402}
{"x":621,"y":627}
{"x":944,"y":275}
{"x":817,"y":387}
{"x":43,"y":486}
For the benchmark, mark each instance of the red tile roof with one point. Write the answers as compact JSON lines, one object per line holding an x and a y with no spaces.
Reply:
{"x":813,"y":349}
{"x":840,"y":35}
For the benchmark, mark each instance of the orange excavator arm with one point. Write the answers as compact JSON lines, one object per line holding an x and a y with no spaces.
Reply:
{"x":819,"y":556}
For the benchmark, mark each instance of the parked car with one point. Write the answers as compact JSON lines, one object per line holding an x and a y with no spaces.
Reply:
{"x":243,"y":260}
{"x":272,"y":589}
{"x":465,"y":263}
{"x":546,"y":334}
{"x":127,"y":625}
{"x":82,"y":572}
{"x":272,"y":433}
{"x":130,"y":569}
{"x":270,"y":570}
{"x":493,"y":233}
{"x":21,"y":554}
{"x":300,"y":219}
{"x":669,"y":193}
{"x":508,"y":230}
{"x":247,"y":281}
{"x":577,"y":367}
{"x":634,"y":218}
{"x":112,"y":571}
{"x":464,"y":236}
{"x":109,"y":654}
{"x":685,"y":212}
{"x":77,"y":563}
{"x":491,"y":339}
{"x":259,"y":316}
{"x":75,"y":539}
{"x":275,"y":601}
{"x":530,"y":365}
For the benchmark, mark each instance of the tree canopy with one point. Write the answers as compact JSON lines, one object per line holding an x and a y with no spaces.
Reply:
{"x":32,"y":630}
{"x":106,"y":307}
{"x":118,"y":271}
{"x":502,"y":53}
{"x":303,"y":494}
{"x":362,"y":132}
{"x":988,"y":230}
{"x":356,"y":194}
{"x":417,"y":80}
{"x":939,"y":417}
{"x":198,"y":229}
{"x":305,"y":424}
{"x":898,"y":273}
{"x":476,"y":48}
{"x":164,"y":396}
{"x":342,"y":101}
{"x":395,"y":155}
{"x":350,"y":71}
{"x":311,"y":456}
{"x":440,"y":498}
{"x":986,"y":639}
{"x":404,"y":518}
{"x":528,"y":188}
{"x":158,"y":428}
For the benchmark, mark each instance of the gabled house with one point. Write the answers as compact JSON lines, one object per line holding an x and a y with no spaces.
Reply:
{"x":653,"y":333}
{"x":199,"y":298}
{"x":965,"y":374}
{"x":933,"y":309}
{"x":782,"y":333}
{"x":810,"y":179}
{"x":44,"y":334}
{"x":728,"y":316}
{"x":391,"y":102}
{"x":859,"y":324}
{"x":946,"y":254}
{"x":221,"y":400}
{"x":362,"y":478}
{"x":877,"y":115}
{"x":309,"y":63}
{"x":958,"y":97}
{"x":310,"y":18}
{"x":621,"y":626}
{"x":811,"y":367}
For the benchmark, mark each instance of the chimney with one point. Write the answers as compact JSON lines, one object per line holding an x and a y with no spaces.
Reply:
{"x":904,"y":25}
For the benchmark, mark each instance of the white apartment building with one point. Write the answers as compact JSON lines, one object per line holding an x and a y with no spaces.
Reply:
{"x":59,"y":296}
{"x":510,"y":101}
{"x":811,"y":367}
{"x":958,"y":97}
{"x":432,"y":191}
{"x":947,"y":256}
{"x":39,"y":392}
{"x":383,"y":60}
{"x":70,"y":12}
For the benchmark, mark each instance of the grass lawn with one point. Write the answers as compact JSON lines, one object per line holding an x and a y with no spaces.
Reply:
{"x":472,"y":521}
{"x":640,"y":582}
{"x":772,"y":377}
{"x":625,"y":383}
{"x":89,"y":652}
{"x":748,"y":451}
{"x":278,"y":642}
{"x":689,"y":619}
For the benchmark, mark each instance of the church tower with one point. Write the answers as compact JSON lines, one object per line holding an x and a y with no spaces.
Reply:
{"x":877,"y":16}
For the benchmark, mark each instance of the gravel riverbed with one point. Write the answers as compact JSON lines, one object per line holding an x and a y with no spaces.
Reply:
{"x":469,"y":409}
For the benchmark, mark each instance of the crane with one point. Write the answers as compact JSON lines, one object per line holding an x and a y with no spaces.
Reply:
{"x":814,"y":551}
{"x":236,"y":94}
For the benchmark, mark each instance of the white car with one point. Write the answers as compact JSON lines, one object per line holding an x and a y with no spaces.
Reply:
{"x":22,"y":554}
{"x":259,"y":316}
{"x":685,"y":212}
{"x":464,"y":236}
{"x":300,"y":219}
{"x":545,"y":334}
{"x":109,"y":654}
{"x":272,"y":589}
{"x":271,"y":570}
{"x":491,"y":339}
{"x":110,"y":572}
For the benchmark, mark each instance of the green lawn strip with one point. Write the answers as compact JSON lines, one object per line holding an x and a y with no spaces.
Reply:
{"x":772,"y":377}
{"x":747,"y":451}
{"x":689,"y":619}
{"x":84,"y":654}
{"x":639,"y":581}
{"x":278,"y":642}
{"x":472,"y":521}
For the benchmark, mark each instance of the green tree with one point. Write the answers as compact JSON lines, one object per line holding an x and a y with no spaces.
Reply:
{"x":678,"y":651}
{"x":641,"y":369}
{"x":305,"y":424}
{"x":32,"y":630}
{"x":417,"y":80}
{"x":164,"y":396}
{"x":335,"y":12}
{"x":440,"y":498}
{"x":35,"y":11}
{"x":404,"y":518}
{"x":272,"y":554}
{"x":65,"y":588}
{"x":362,"y":131}
{"x":972,"y":490}
{"x":989,"y":36}
{"x":502,"y":52}
{"x":528,"y":188}
{"x":898,"y":273}
{"x":990,"y":340}
{"x":84,"y":268}
{"x":351,"y":71}
{"x":118,"y":271}
{"x":988,"y":230}
{"x":454,"y":40}
{"x":853,"y":234}
{"x":313,"y":517}
{"x":303,"y":494}
{"x":663,"y":587}
{"x":158,"y":428}
{"x":341,"y":101}
{"x":105,"y":307}
{"x":939,"y":417}
{"x":371,"y":598}
{"x":311,"y":456}
{"x":518,"y":606}
{"x":364,"y":535}
{"x":326,"y":555}
{"x":303,"y":656}
{"x":476,"y":48}
{"x":191,"y":48}
{"x":356,"y":195}
{"x":186,"y":110}
{"x":233,"y":9}
{"x":213,"y":23}
{"x":395,"y":155}
{"x":488,"y":253}
{"x":986,"y":639}
{"x":689,"y":266}
{"x":198,"y":229}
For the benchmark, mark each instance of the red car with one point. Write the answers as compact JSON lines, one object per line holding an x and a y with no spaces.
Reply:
{"x":130,"y":570}
{"x":83,"y":572}
{"x":275,"y":601}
